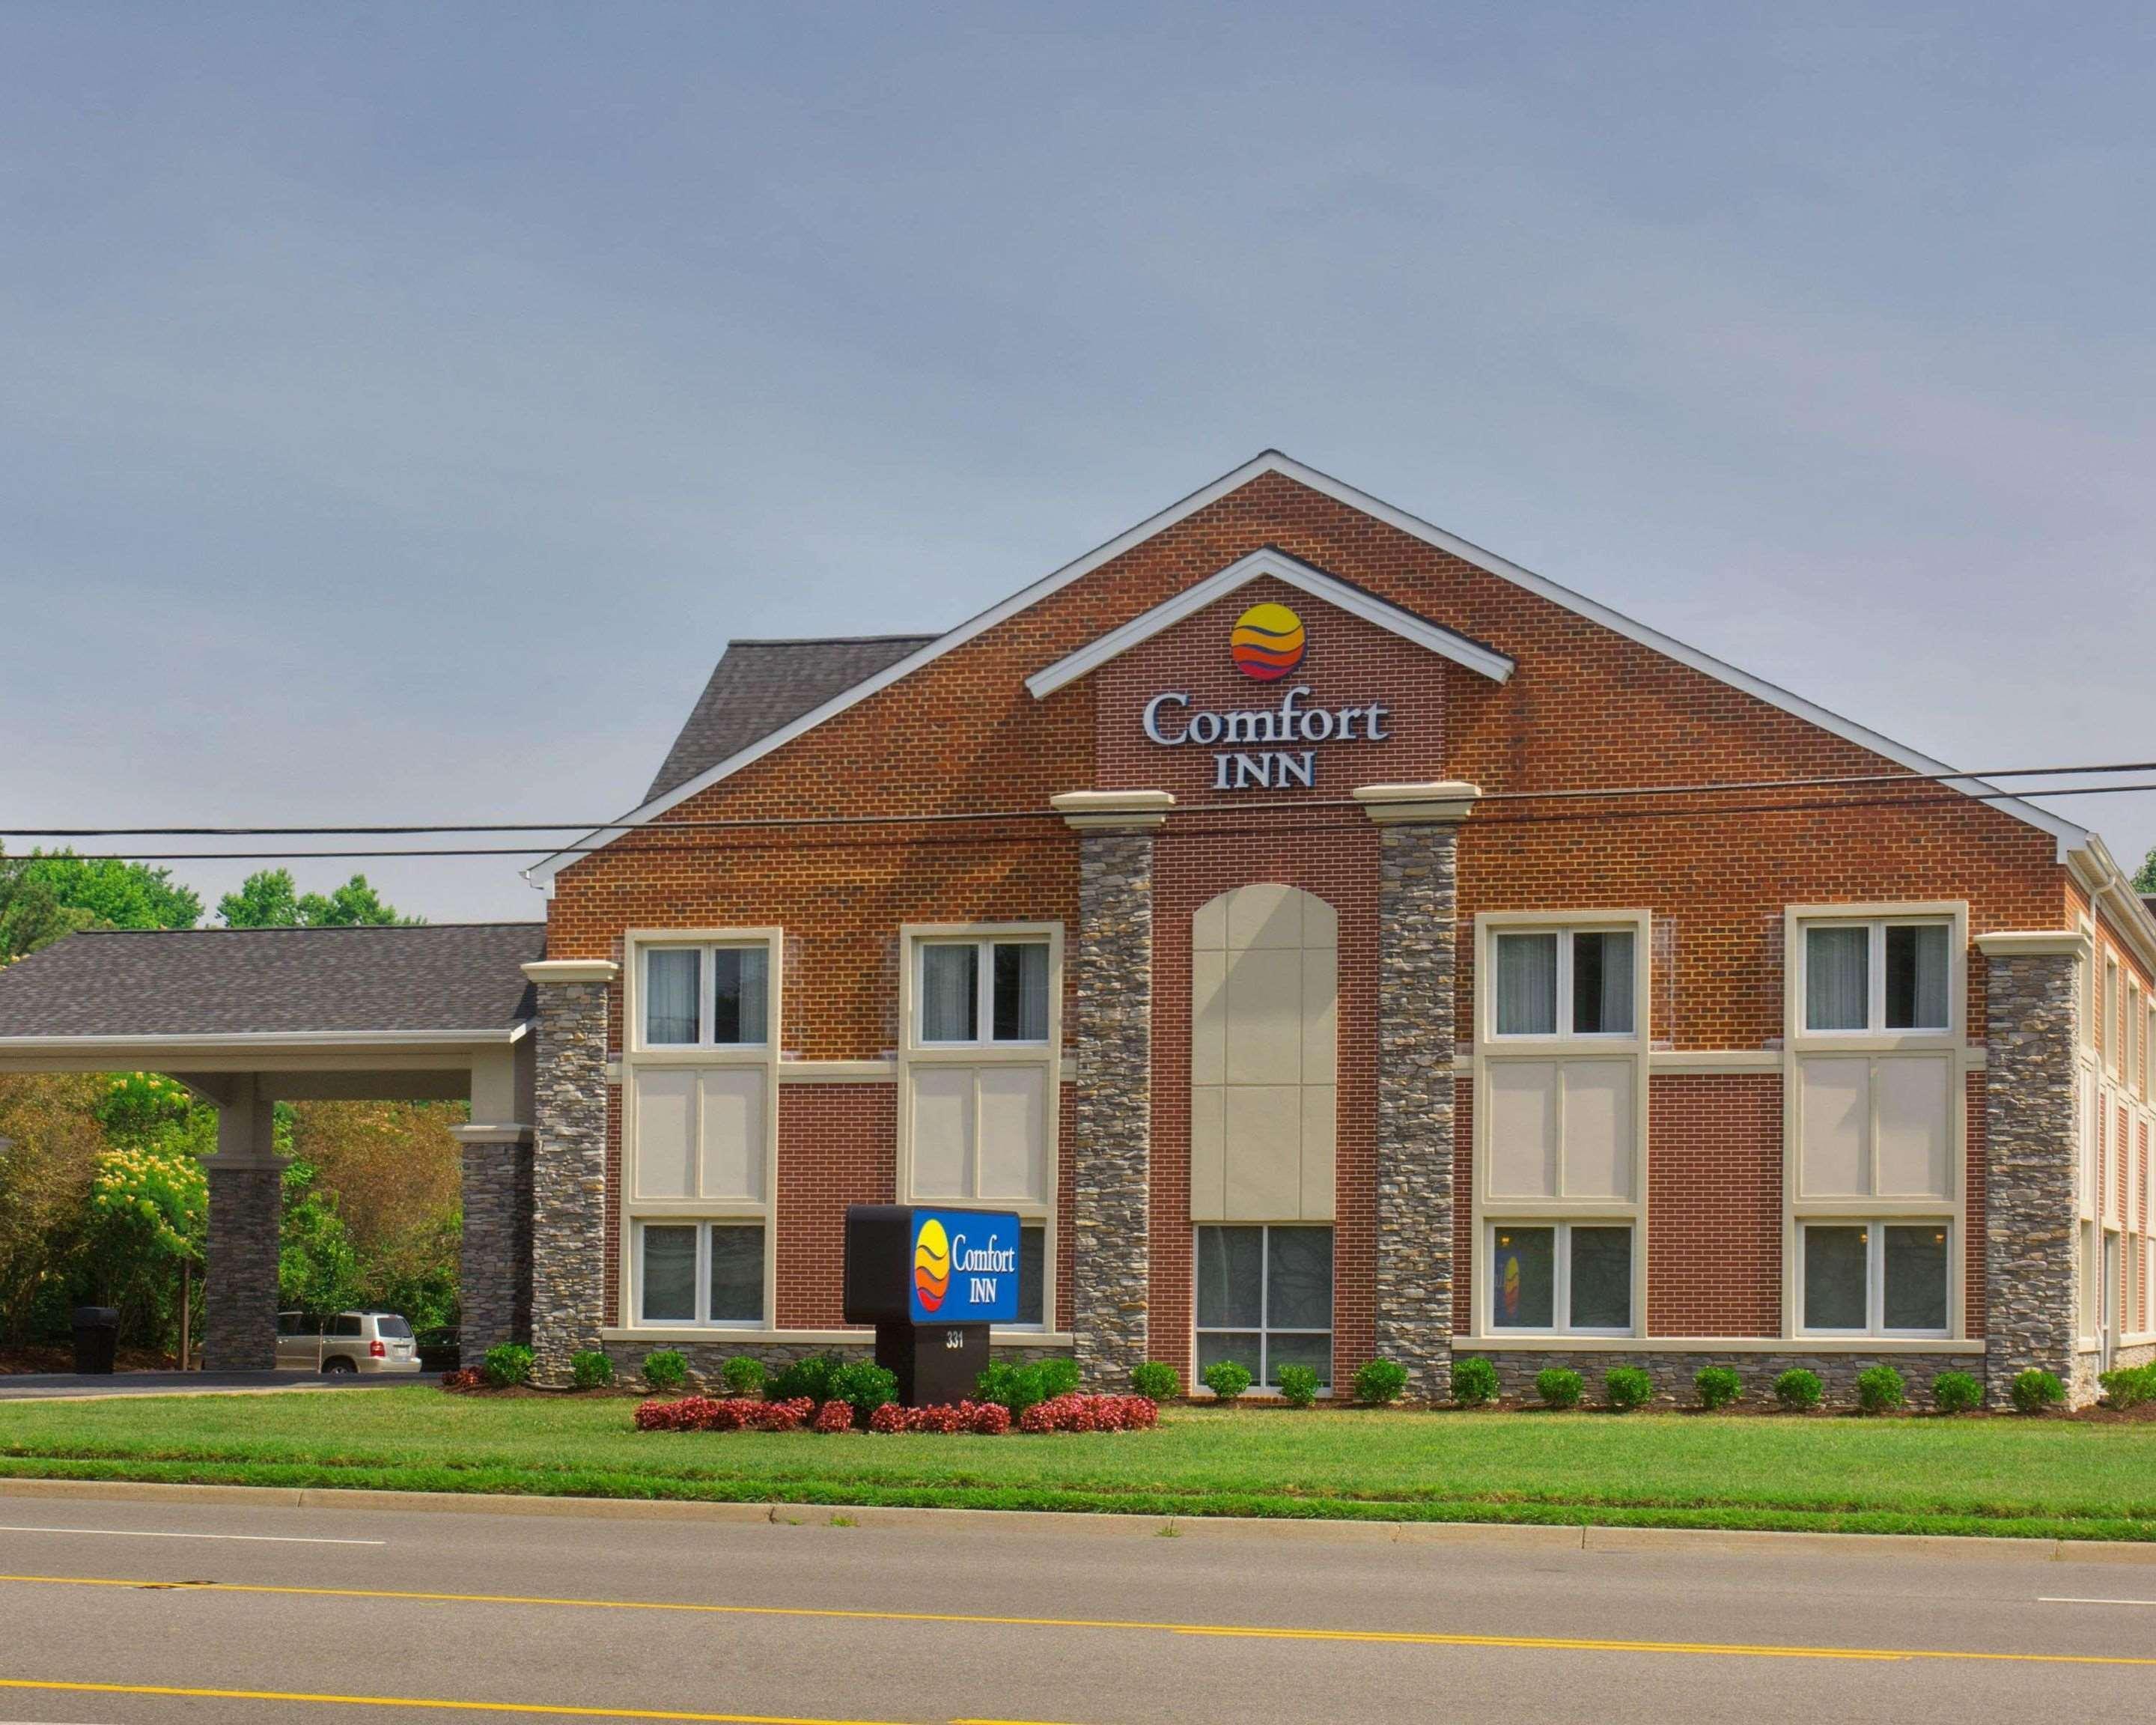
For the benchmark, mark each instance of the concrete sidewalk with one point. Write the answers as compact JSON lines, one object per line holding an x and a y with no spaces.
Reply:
{"x":70,"y":1386}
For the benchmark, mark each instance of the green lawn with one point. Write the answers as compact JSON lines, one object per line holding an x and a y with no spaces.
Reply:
{"x":2042,"y":1478}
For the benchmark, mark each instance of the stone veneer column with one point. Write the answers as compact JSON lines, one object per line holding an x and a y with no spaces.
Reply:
{"x":2032,"y":1144}
{"x":494,"y":1276}
{"x":568,"y":1163}
{"x":1417,"y":836}
{"x":246,"y":1208}
{"x":1111,"y":1207}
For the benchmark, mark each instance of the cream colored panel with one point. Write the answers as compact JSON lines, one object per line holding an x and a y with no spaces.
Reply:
{"x":1834,"y":1092}
{"x":1264,"y":1151}
{"x":666,"y":1133}
{"x":1911,"y":1098}
{"x":1598,"y":1128}
{"x":1523,"y":1111}
{"x":1321,"y":922}
{"x":1265,"y":1017}
{"x":1208,"y":928}
{"x":1264,"y":915}
{"x":1320,"y":1119}
{"x":1014,"y":1132}
{"x":1208,"y":1018}
{"x":943,"y":1132}
{"x":1321,"y":1013}
{"x":734,"y":1127}
{"x":1208,"y":1170}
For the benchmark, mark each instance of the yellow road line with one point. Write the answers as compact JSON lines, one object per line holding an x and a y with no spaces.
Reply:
{"x":438,"y":1703}
{"x":1257,"y":1632}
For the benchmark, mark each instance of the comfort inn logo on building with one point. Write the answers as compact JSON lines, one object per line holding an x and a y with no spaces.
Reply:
{"x":1223,"y":984}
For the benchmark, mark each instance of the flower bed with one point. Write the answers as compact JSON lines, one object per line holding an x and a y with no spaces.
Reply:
{"x":1062,"y":1413}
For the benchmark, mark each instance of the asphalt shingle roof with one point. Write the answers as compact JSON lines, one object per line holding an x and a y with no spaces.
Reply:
{"x":759,"y":686}
{"x":218,"y":982}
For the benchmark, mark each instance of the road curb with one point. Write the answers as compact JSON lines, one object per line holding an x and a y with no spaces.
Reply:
{"x":1068,"y":1524}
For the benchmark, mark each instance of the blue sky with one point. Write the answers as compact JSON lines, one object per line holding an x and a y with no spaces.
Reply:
{"x":400,"y":406}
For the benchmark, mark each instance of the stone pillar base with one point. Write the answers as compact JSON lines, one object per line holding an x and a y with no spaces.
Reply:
{"x":240,"y":1289}
{"x":568,"y":1164}
{"x":494,"y":1261}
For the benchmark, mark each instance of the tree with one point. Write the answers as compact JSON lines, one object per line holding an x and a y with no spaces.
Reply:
{"x":49,"y":894}
{"x":2145,"y":881}
{"x":270,"y":899}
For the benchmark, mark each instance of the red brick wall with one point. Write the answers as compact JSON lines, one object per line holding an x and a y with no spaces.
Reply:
{"x":1586,"y":707}
{"x":1974,"y":1234}
{"x":1714,"y":1204}
{"x":1332,"y":855}
{"x":838,"y":1144}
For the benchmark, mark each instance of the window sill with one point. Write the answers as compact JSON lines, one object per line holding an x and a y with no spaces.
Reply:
{"x":716,"y":1335}
{"x":1558,"y":1344}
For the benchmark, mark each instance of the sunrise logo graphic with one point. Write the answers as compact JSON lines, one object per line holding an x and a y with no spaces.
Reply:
{"x":1266,"y":642}
{"x":931,"y":1264}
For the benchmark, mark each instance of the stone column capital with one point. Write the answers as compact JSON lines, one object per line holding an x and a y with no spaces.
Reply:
{"x":497,"y":1132}
{"x":1439,"y":801}
{"x":1089,"y":810}
{"x":2034,"y":943}
{"x":548,"y":971}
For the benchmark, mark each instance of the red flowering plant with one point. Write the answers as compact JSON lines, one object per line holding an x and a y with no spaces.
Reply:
{"x":471,"y":1378}
{"x":835,"y":1416}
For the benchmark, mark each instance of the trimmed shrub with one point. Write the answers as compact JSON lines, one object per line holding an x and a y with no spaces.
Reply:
{"x":1559,"y":1387}
{"x":1157,"y":1381}
{"x":1956,"y":1393}
{"x":507,"y":1364}
{"x":1059,"y":1376}
{"x":666,"y":1369}
{"x":864,"y":1386}
{"x":1798,"y":1390}
{"x":1716,"y":1387}
{"x":1380,"y":1382}
{"x":1627,"y":1387}
{"x":2034,"y":1390}
{"x":1017,"y":1386}
{"x":1298,"y":1386}
{"x":1474,"y":1383}
{"x":2129,"y":1387}
{"x":590,"y":1369}
{"x":744,"y":1376}
{"x":809,"y":1377}
{"x":1880,"y":1389}
{"x":1226,"y":1379}
{"x":834,"y":1416}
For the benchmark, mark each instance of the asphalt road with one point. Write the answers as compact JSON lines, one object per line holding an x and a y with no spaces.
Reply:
{"x":257,"y":1613}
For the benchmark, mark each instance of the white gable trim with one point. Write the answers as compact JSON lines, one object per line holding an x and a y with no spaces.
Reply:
{"x":2070,"y":836}
{"x":1301,"y":576}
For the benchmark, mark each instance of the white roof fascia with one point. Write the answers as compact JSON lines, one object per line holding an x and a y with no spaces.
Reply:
{"x":2070,"y":836}
{"x":2094,"y":865}
{"x":270,"y":1040}
{"x":1297,"y":574}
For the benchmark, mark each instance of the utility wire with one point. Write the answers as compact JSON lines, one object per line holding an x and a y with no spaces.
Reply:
{"x":655,"y":839}
{"x":1945,"y":776}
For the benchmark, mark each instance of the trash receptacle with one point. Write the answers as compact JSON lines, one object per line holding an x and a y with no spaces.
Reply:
{"x":96,"y":1338}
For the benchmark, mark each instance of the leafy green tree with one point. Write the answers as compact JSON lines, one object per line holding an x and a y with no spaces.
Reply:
{"x":269,"y":898}
{"x":2145,"y":881}
{"x":149,"y":1200}
{"x":317,"y":1269}
{"x":47,"y":895}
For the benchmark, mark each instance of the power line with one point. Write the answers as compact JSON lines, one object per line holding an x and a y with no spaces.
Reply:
{"x":1945,"y":776}
{"x":653,"y":839}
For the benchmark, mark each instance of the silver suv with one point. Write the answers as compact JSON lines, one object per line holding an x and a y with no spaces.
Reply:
{"x":345,"y":1342}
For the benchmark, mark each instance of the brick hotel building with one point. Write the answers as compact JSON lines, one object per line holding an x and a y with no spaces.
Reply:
{"x":1300,"y":917}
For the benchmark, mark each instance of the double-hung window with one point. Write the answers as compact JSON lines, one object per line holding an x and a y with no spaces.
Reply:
{"x":1886,"y":1278}
{"x":1563,"y":983}
{"x":700,"y":1081}
{"x":1876,"y":976}
{"x":977,"y":1108}
{"x":1264,"y":1300}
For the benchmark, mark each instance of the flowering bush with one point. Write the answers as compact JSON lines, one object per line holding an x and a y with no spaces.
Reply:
{"x":1063,"y":1413}
{"x":834,"y":1416}
{"x":704,"y":1413}
{"x":1091,"y":1413}
{"x":990,"y":1419}
{"x":471,"y":1378}
{"x":889,"y":1417}
{"x":789,"y":1415}
{"x":689,"y":1414}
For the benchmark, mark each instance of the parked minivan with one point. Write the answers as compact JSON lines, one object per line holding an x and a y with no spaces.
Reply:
{"x":345,"y":1342}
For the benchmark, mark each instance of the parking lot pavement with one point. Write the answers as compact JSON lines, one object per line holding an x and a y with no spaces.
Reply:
{"x":48,"y":1386}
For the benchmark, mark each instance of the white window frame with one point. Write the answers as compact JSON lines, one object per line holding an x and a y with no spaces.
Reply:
{"x":703,"y":1321}
{"x":1485,"y":1322}
{"x":1566,"y":931}
{"x":639,"y":1056}
{"x":984,"y":984}
{"x":1261,"y":1378}
{"x":914,"y":1054}
{"x":1875,"y":1025}
{"x":1874,"y":1272}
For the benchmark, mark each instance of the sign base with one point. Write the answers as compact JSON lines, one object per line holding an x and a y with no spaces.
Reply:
{"x":934,"y":1364}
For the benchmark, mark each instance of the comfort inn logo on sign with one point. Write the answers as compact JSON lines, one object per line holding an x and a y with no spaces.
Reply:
{"x":1267,"y":644}
{"x":965,"y":1267}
